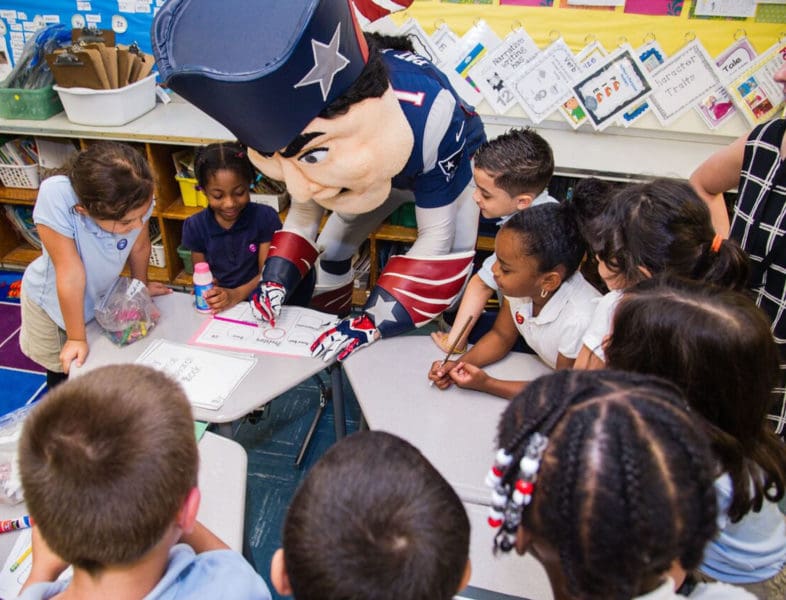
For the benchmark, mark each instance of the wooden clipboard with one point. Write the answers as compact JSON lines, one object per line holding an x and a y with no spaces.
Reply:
{"x":109,"y":60}
{"x":81,"y":68}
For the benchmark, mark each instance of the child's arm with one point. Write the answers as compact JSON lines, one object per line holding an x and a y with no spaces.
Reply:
{"x":587,"y":360}
{"x":719,"y":173}
{"x":201,"y":539}
{"x":70,"y":282}
{"x":221,"y":298}
{"x":47,"y":566}
{"x":472,"y":304}
{"x":471,"y":377}
{"x":139,"y":259}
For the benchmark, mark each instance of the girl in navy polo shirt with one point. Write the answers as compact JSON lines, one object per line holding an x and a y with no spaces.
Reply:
{"x":233,"y":235}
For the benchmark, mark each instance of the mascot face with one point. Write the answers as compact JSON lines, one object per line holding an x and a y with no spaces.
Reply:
{"x":345,"y":164}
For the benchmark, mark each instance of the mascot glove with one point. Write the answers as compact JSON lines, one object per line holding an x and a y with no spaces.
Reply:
{"x":346,"y":337}
{"x":266,"y":303}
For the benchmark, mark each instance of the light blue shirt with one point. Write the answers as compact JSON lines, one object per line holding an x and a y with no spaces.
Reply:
{"x":750,"y":550}
{"x":104,"y":254}
{"x":218,"y":574}
{"x":484,"y":272}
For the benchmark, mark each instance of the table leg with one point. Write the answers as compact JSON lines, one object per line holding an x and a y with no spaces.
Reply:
{"x":225,"y":429}
{"x":337,"y":386}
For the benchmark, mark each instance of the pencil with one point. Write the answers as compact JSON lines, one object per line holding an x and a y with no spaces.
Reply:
{"x":18,"y":562}
{"x":452,"y":348}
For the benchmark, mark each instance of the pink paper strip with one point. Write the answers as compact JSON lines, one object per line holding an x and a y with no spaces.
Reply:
{"x":671,"y":8}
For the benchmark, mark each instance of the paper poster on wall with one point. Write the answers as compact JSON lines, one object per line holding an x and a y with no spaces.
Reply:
{"x":547,"y":81}
{"x":420,"y":40}
{"x":588,"y":60}
{"x":494,"y":74}
{"x":613,"y":86}
{"x":544,"y":3}
{"x":444,"y":39}
{"x":681,"y":82}
{"x":755,"y":92}
{"x":596,"y":2}
{"x":717,"y":107}
{"x":474,"y":45}
{"x":724,"y":8}
{"x":5,"y":61}
{"x":662,"y":8}
{"x":651,"y":56}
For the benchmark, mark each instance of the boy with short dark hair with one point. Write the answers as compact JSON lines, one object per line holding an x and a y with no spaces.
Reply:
{"x":109,"y":467}
{"x":373,"y":519}
{"x":511,"y":173}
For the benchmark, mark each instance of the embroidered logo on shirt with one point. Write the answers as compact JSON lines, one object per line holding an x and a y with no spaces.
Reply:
{"x":252,"y":248}
{"x":121,"y":244}
{"x":519,"y":318}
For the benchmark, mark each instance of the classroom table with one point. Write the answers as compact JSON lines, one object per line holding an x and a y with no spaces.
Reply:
{"x":271,"y":376}
{"x":455,"y":428}
{"x":222,"y":483}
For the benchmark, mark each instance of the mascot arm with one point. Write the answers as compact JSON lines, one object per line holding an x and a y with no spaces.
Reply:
{"x":436,"y":230}
{"x":304,"y":218}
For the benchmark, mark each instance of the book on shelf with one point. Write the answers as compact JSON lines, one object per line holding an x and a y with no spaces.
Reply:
{"x":21,"y":217}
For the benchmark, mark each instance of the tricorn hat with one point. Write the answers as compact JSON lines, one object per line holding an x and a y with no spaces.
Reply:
{"x":262,"y":68}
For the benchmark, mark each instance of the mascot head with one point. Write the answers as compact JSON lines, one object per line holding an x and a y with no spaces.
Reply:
{"x":294,"y":80}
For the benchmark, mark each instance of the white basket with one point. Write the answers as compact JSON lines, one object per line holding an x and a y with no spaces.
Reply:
{"x":109,"y":107}
{"x":20,"y":176}
{"x":157,"y":256}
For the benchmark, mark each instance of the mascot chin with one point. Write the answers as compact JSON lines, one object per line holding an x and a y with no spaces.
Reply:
{"x":353,"y":124}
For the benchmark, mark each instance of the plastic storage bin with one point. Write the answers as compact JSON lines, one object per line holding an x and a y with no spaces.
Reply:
{"x":185,"y":255}
{"x":32,"y":105}
{"x":109,"y":107}
{"x":189,"y":193}
{"x":20,"y":176}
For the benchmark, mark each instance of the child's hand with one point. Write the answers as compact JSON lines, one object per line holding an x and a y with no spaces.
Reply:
{"x":219,"y":299}
{"x":156,"y":288}
{"x":439,"y":373}
{"x":73,"y":350}
{"x":47,"y":566}
{"x":469,"y":377}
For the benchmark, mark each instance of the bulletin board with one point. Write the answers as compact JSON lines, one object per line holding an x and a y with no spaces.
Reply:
{"x":20,"y":19}
{"x":545,"y":20}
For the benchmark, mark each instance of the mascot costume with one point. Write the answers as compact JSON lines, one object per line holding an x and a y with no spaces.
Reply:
{"x":350,"y":126}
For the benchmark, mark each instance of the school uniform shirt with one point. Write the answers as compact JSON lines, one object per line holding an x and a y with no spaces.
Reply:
{"x":600,"y":325}
{"x":233,"y":254}
{"x":559,"y":327}
{"x":103,"y":254}
{"x":752,"y":549}
{"x":484,"y":272}
{"x":703,"y":591}
{"x":217,"y":574}
{"x":759,"y":225}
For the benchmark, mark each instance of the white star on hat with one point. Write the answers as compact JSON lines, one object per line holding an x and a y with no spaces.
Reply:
{"x":327,"y":62}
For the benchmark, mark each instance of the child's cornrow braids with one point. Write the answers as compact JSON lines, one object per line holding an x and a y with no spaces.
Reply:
{"x":222,"y":155}
{"x":623,"y":488}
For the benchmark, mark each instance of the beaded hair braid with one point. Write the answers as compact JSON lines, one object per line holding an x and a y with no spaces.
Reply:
{"x":610,"y":469}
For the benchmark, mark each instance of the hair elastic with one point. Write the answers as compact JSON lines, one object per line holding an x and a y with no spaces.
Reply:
{"x":716,"y":243}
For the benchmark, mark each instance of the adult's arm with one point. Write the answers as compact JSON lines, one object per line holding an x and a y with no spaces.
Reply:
{"x":718,"y":174}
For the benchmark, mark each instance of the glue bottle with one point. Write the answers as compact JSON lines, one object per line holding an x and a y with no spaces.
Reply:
{"x":203,"y":281}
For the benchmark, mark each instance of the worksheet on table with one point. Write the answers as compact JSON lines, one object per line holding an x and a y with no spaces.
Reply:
{"x":296,"y":328}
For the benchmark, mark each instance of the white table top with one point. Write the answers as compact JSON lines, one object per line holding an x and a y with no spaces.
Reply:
{"x":511,"y":574}
{"x":455,"y":429}
{"x":222,"y":483}
{"x":271,"y":376}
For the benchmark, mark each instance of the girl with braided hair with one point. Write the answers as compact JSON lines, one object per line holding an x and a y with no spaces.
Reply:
{"x":233,"y":234}
{"x":726,"y":362}
{"x":604,"y":478}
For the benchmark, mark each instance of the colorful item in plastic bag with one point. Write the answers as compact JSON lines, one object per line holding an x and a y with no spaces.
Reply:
{"x":127,"y":313}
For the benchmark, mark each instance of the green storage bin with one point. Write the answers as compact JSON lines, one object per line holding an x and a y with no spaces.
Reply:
{"x":32,"y":105}
{"x":404,"y":215}
{"x":185,"y":255}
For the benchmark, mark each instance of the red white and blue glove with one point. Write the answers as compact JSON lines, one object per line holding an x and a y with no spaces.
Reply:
{"x":346,"y":337}
{"x":266,"y":303}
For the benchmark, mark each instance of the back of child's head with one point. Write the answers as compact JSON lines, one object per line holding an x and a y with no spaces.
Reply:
{"x":373,"y":519}
{"x":663,"y":226}
{"x":231,"y":156}
{"x":110,"y":179}
{"x":549,"y":233}
{"x":107,"y":460}
{"x":520,"y":161}
{"x":623,"y":482}
{"x":717,"y":346}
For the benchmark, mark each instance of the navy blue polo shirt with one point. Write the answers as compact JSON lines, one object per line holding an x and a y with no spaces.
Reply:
{"x":233,"y":254}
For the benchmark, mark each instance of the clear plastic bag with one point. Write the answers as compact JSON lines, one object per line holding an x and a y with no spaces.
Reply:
{"x":10,"y":432}
{"x":127,"y":313}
